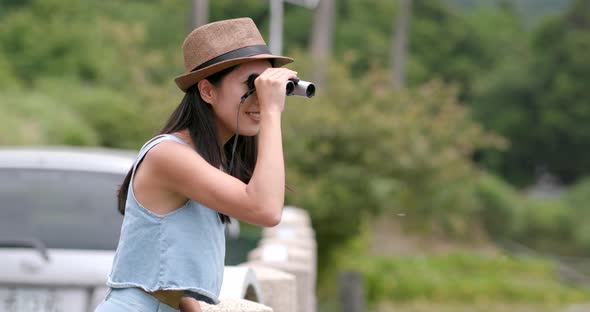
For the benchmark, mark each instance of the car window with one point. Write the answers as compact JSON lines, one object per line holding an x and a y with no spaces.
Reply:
{"x":63,"y":209}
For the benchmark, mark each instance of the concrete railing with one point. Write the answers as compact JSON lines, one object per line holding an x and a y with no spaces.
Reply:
{"x":280,"y":274}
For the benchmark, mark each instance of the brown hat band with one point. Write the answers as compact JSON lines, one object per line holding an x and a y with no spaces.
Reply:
{"x":237,"y":53}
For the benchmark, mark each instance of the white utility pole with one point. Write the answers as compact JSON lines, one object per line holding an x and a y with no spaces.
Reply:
{"x":276,"y":21}
{"x":200,"y":12}
{"x":321,"y":39}
{"x":276,"y":26}
{"x":399,"y":50}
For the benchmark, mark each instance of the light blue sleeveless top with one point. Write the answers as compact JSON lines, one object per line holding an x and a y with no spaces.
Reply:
{"x":183,"y":249}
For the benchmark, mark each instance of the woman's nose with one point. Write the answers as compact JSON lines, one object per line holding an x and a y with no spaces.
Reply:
{"x":254,"y":100}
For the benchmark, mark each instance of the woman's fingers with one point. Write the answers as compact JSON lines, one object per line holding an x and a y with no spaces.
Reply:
{"x":271,"y":87}
{"x":188,"y":304}
{"x":278,"y":73}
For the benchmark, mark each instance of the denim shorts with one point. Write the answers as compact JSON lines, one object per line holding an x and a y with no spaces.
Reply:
{"x":131,"y":299}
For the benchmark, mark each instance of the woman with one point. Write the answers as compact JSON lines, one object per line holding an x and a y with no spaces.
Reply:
{"x":187,"y":181}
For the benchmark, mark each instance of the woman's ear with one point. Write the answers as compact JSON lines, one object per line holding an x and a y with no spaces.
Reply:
{"x":207,"y":91}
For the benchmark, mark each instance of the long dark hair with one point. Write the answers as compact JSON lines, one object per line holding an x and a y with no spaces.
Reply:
{"x":198,"y":117}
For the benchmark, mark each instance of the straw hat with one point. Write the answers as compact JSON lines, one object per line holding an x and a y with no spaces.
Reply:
{"x":216,"y":46}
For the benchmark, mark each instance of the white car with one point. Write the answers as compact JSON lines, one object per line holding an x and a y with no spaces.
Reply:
{"x":59,"y":226}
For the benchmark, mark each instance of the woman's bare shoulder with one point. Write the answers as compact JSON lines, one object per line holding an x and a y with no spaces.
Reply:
{"x":170,"y":153}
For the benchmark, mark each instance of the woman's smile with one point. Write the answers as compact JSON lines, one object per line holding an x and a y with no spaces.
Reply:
{"x":254,"y":116}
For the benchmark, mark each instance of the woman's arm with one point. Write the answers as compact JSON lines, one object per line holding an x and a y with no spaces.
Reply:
{"x":260,"y":202}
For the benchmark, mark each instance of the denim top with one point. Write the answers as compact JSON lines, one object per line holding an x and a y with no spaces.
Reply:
{"x":182,"y":250}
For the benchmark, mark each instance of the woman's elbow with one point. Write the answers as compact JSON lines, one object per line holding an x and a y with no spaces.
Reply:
{"x":272,"y":218}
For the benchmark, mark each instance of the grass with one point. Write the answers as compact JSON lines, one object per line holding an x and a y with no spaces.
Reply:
{"x":462,"y":278}
{"x":480,"y":307}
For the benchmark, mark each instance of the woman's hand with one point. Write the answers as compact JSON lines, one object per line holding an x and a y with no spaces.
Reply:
{"x":271,"y":87}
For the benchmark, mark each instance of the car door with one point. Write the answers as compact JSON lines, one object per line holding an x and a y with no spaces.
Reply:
{"x":58,"y":232}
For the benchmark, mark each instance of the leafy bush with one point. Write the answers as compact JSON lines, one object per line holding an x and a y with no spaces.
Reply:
{"x":33,"y":119}
{"x":500,"y":207}
{"x":578,"y":199}
{"x":118,"y":119}
{"x":547,"y":225}
{"x":7,"y":78}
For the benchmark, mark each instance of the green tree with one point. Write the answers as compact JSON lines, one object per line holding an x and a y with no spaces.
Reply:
{"x":562,"y":94}
{"x":538,"y":100}
{"x":360,"y":149}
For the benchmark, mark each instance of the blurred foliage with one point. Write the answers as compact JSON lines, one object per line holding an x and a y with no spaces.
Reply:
{"x":90,"y":62}
{"x":515,"y":78}
{"x":115,"y":117}
{"x":559,"y":225}
{"x":554,"y":226}
{"x":532,"y":11}
{"x":538,"y":99}
{"x":360,"y":148}
{"x":499,"y":207}
{"x":547,"y":225}
{"x":578,"y":198}
{"x":35,"y":118}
